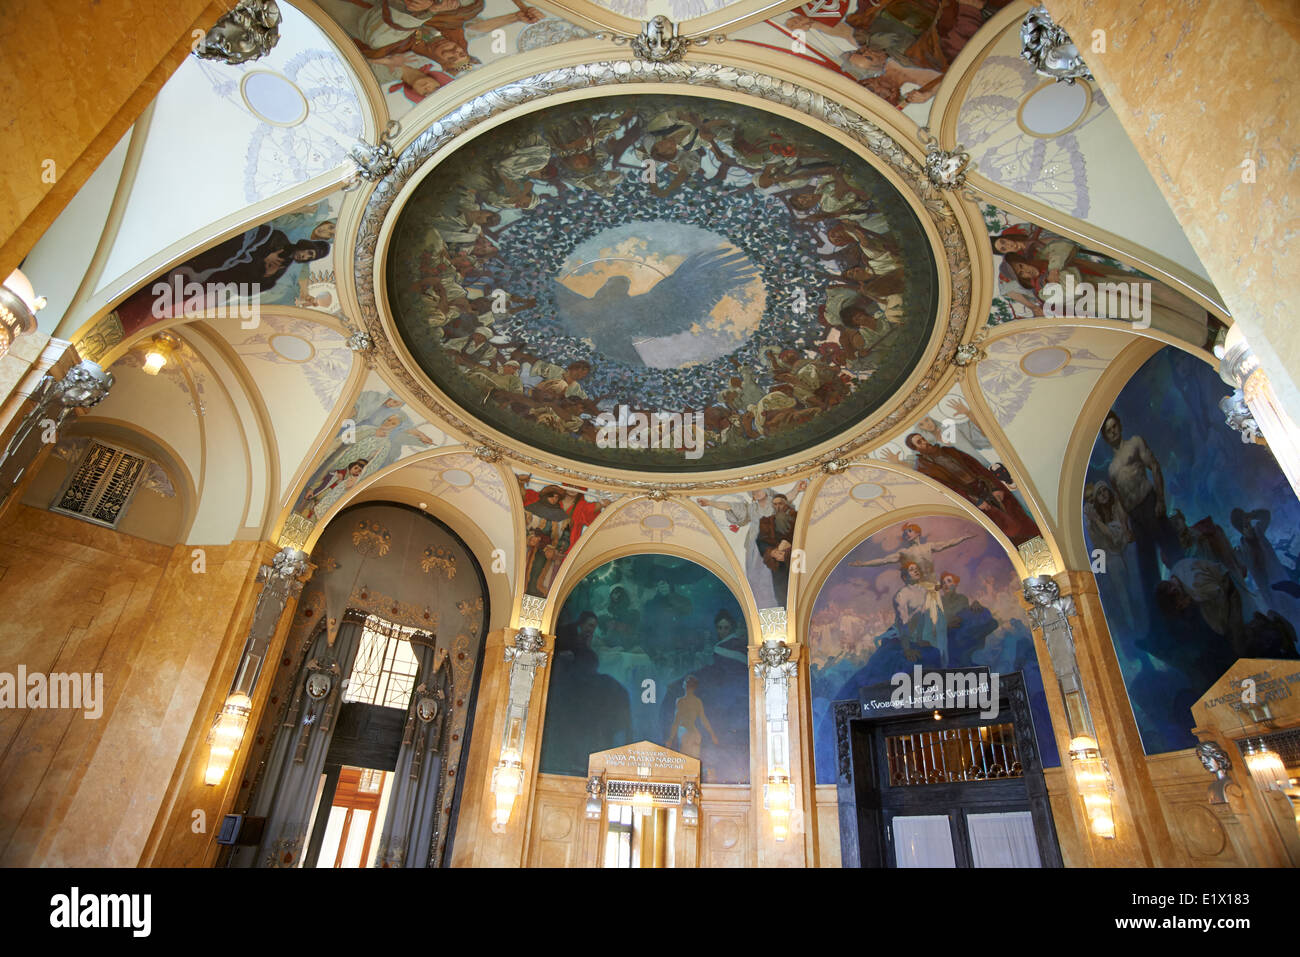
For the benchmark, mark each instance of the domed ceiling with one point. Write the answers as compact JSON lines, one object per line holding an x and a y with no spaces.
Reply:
{"x":648,"y":253}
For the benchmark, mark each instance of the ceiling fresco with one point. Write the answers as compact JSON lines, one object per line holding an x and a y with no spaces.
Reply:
{"x":900,"y":50}
{"x":657,"y":255}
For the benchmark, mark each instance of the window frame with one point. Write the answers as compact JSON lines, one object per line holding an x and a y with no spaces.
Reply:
{"x":102,"y":486}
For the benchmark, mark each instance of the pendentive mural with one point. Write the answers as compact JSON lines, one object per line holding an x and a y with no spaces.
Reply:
{"x":605,"y":263}
{"x":1194,"y":541}
{"x":1044,"y":274}
{"x":938,"y":592}
{"x":650,"y":648}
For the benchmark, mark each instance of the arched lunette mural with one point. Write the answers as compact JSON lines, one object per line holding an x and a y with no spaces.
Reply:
{"x":1196,"y":563}
{"x":653,"y":648}
{"x":938,"y":592}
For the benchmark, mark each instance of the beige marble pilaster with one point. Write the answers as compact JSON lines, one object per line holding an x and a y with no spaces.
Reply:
{"x":1201,"y":87}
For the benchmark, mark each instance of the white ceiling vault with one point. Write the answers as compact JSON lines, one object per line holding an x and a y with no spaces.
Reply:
{"x":268,"y":418}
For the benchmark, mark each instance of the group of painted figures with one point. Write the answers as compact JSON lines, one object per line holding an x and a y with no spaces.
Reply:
{"x":459,"y":278}
{"x":1219,"y":601}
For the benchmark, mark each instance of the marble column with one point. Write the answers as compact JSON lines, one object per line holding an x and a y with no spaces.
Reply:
{"x":1204,"y":90}
{"x":262,"y":618}
{"x":507,"y":731}
{"x":779,"y":749}
{"x":1067,"y":617}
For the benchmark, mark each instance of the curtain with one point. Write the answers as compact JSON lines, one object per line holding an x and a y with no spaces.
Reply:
{"x":287,"y":794}
{"x":407,"y":834}
{"x":923,"y":840}
{"x":1004,"y":839}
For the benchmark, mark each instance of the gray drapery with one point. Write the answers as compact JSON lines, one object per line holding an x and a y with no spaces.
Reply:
{"x":287,"y":795}
{"x":413,"y":808}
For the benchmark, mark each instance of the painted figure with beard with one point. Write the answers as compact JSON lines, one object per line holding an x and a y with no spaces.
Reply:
{"x":775,"y":535}
{"x":324,"y":494}
{"x":546,"y":518}
{"x":975,"y":482}
{"x":1108,"y":529}
{"x":374,"y":445}
{"x":259,"y":258}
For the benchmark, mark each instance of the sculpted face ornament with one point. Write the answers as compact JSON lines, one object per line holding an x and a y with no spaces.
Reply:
{"x":318,"y":685}
{"x":659,"y":42}
{"x":426,"y":708}
{"x":1215,"y":760}
{"x":248,"y":32}
{"x":1050,"y":48}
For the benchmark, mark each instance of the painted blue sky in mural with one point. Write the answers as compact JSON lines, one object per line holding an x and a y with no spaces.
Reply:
{"x":650,"y":647}
{"x":959,"y":609}
{"x":1202,"y":574}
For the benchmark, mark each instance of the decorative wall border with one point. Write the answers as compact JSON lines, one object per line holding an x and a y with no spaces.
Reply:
{"x":934,"y":203}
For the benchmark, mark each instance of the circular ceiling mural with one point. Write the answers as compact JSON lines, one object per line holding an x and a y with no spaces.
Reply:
{"x":662,"y":283}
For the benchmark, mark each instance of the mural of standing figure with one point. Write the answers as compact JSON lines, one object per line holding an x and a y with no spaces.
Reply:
{"x":688,"y":719}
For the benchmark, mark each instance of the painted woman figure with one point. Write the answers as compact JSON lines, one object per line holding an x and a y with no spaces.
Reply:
{"x":1108,"y":529}
{"x":918,"y":616}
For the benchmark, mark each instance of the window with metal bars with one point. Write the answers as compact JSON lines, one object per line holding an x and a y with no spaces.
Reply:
{"x":385,"y":669}
{"x":102,"y":486}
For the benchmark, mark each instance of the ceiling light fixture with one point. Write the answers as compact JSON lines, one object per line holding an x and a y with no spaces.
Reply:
{"x":18,"y":307}
{"x":160,"y":352}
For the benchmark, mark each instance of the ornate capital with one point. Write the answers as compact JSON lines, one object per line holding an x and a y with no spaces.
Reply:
{"x":86,"y":385}
{"x":374,"y":162}
{"x":1050,"y":49}
{"x":968,"y":354}
{"x":774,"y":656}
{"x":1047,"y":604}
{"x":247,"y":32}
{"x":528,"y":641}
{"x":1237,"y":415}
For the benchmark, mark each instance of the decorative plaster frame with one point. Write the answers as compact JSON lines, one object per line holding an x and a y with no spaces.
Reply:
{"x":954,"y":256}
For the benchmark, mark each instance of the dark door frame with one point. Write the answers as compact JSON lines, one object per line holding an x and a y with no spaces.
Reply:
{"x":862,"y":817}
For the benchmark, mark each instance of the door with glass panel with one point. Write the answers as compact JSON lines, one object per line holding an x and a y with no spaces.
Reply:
{"x":946,"y":789}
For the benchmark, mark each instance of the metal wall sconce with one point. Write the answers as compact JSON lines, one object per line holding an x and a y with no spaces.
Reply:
{"x":1050,"y":611}
{"x":524,"y":658}
{"x":282,"y":579}
{"x":1265,"y":765}
{"x":1092,"y":777}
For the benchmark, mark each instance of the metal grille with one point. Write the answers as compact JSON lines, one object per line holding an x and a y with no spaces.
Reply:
{"x":1286,"y":744}
{"x":102,"y":485}
{"x":385,"y":669}
{"x":662,"y":794}
{"x":953,"y":755}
